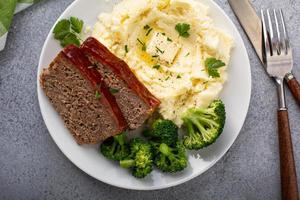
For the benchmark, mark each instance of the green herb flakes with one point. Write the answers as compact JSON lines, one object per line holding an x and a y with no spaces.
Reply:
{"x":146,"y":27}
{"x":156,"y":67}
{"x":159,"y":50}
{"x":144,"y":47}
{"x":97,"y":95}
{"x":149,"y":31}
{"x":113,"y":90}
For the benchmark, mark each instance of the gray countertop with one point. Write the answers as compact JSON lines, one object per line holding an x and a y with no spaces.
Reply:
{"x":32,"y":167}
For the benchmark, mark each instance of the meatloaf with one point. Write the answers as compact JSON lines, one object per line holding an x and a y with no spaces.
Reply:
{"x":79,"y":95}
{"x":133,"y":98}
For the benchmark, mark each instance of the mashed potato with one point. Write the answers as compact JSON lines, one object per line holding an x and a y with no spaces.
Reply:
{"x":143,"y":34}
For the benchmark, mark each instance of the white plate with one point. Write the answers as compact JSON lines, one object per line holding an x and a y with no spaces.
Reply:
{"x":236,"y":96}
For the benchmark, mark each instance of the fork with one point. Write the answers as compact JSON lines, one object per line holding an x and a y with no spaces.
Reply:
{"x":278,"y":60}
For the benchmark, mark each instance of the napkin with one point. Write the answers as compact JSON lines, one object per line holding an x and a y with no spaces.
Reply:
{"x":7,"y":10}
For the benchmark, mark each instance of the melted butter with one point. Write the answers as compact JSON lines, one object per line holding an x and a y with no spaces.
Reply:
{"x":151,"y":61}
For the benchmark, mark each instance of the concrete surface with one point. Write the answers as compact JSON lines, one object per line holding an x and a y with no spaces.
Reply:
{"x":32,"y":167}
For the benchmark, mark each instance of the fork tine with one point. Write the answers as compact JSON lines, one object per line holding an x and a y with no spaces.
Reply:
{"x":265,"y":35}
{"x":278,"y":42}
{"x":271,"y":32}
{"x":285,"y":42}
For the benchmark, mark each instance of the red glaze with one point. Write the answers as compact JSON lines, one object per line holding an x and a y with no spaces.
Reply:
{"x":94,"y":48}
{"x":75,"y":55}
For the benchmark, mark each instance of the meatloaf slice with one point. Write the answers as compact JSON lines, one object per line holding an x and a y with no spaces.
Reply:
{"x":133,"y":98}
{"x":79,"y":95}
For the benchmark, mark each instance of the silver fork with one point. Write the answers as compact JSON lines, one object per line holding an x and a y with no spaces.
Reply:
{"x":278,"y":60}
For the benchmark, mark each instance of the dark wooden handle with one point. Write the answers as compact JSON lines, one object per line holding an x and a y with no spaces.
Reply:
{"x":289,"y":188}
{"x":295,"y":89}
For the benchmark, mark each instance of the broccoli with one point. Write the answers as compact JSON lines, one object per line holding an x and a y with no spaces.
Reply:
{"x":204,"y":126}
{"x":140,"y":159}
{"x":163,"y":131}
{"x":170,"y":159}
{"x":115,"y":148}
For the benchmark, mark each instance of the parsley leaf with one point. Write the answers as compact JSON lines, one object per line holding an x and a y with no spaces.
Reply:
{"x":70,"y":38}
{"x":126,"y":49}
{"x":76,"y":24}
{"x":113,"y":90}
{"x":67,"y":31}
{"x":61,"y":35}
{"x":212,"y":65}
{"x":61,"y":29}
{"x":183,"y":29}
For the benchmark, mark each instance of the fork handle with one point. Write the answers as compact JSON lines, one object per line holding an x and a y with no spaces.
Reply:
{"x":294,"y":87}
{"x":289,"y":187}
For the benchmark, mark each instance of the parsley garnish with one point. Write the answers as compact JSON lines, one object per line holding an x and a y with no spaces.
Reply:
{"x":97,"y":95}
{"x":183,"y":29}
{"x":67,"y":31}
{"x":61,"y":29}
{"x":113,"y":90}
{"x":144,"y":47}
{"x":126,"y":49}
{"x":212,"y":65}
{"x":161,"y":51}
{"x":155,"y":56}
{"x":187,"y":54}
{"x":163,"y":34}
{"x":156,"y":66}
{"x":76,"y":24}
{"x":178,"y":76}
{"x":167,"y":78}
{"x":169,"y":39}
{"x":70,"y":38}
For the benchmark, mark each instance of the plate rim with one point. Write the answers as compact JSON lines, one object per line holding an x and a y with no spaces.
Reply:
{"x":149,"y":188}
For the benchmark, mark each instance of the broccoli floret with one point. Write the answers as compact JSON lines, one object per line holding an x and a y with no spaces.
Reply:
{"x":170,"y":159}
{"x":163,"y":131}
{"x":204,"y":125}
{"x":115,"y":148}
{"x":140,"y":159}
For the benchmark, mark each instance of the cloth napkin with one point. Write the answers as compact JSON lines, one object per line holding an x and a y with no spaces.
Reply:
{"x":7,"y":9}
